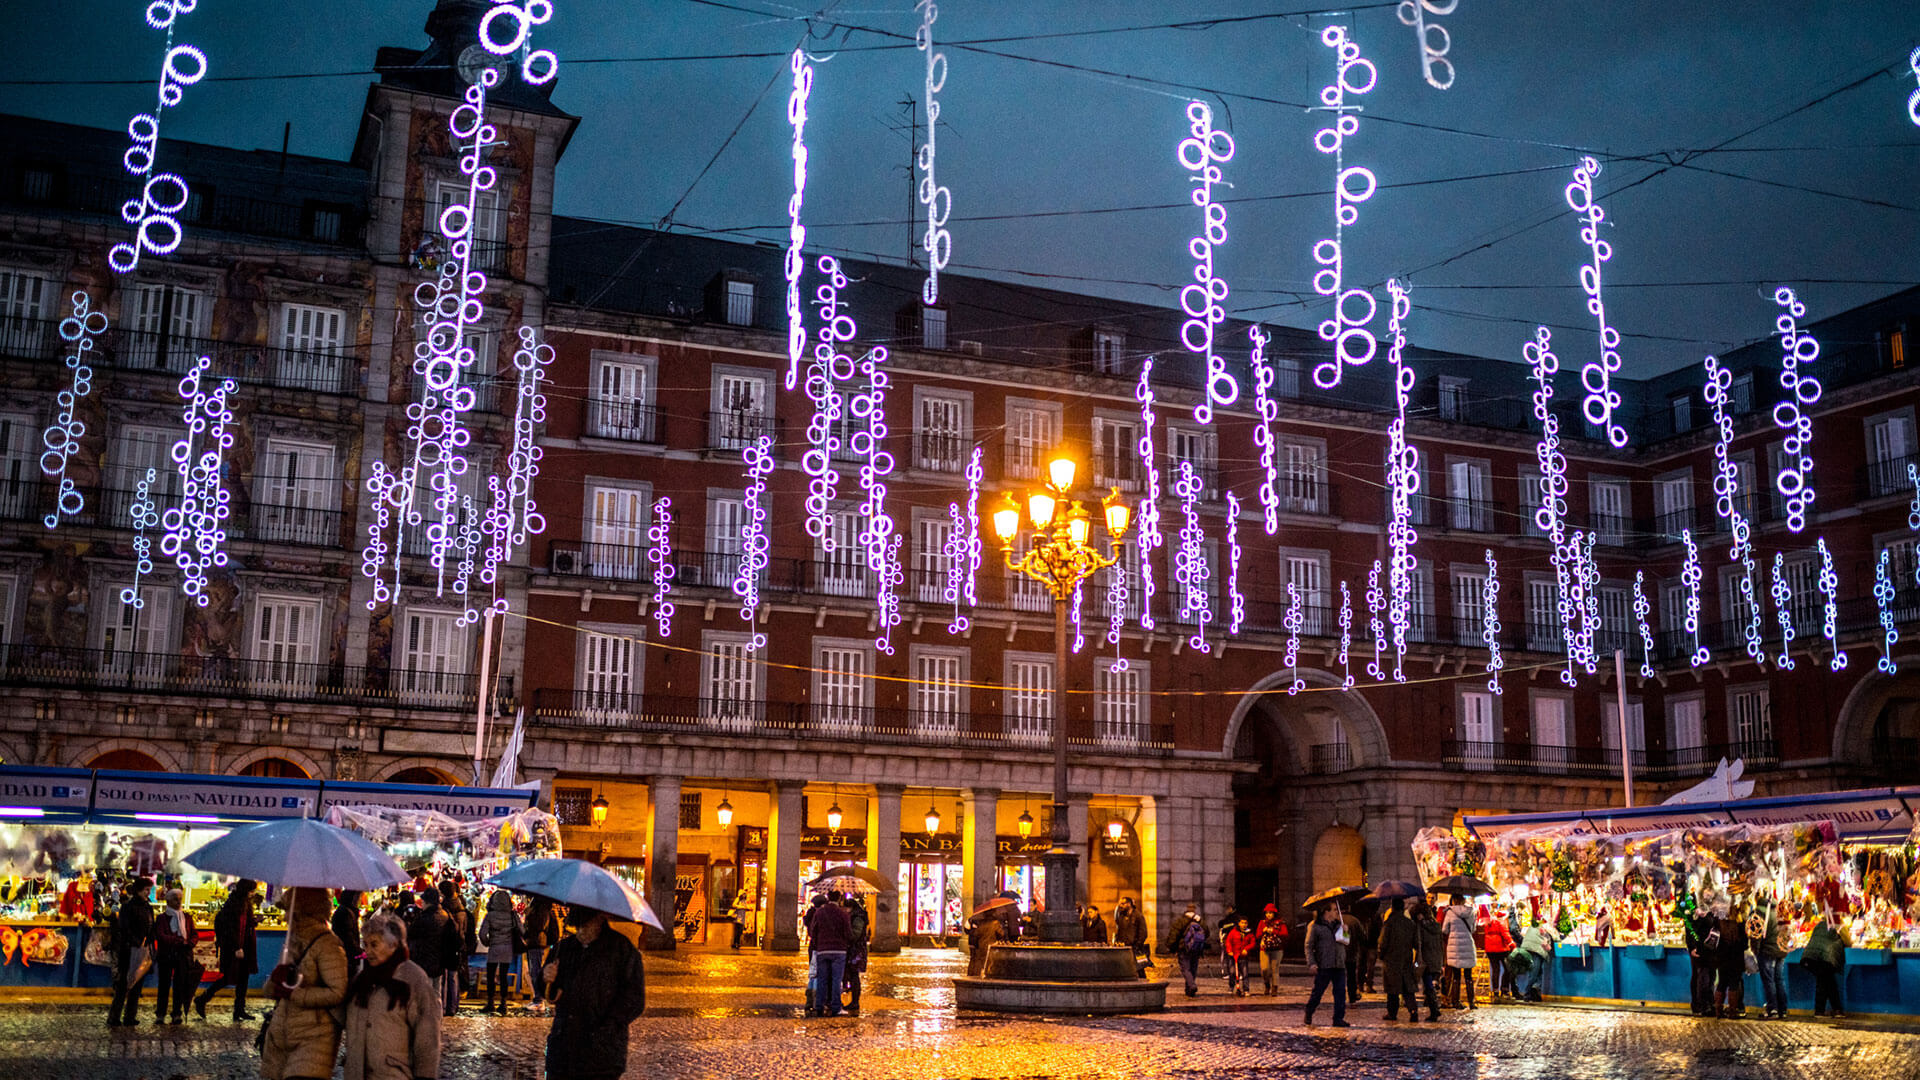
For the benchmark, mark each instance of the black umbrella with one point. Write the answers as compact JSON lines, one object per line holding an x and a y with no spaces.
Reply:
{"x":1398,"y":890}
{"x":1461,"y":885}
{"x":1342,"y":895}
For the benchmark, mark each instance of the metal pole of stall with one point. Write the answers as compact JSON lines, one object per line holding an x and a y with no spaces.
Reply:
{"x":1626,"y":747}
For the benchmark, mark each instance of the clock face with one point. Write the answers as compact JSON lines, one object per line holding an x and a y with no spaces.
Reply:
{"x":473,"y":60}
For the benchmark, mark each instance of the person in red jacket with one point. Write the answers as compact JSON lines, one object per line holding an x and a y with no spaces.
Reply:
{"x":1270,"y":937}
{"x":1499,"y":944}
{"x":1237,"y":946}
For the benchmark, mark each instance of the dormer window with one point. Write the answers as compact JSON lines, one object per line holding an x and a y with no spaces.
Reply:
{"x":740,"y":303}
{"x":1108,"y":345}
{"x":933,"y":328}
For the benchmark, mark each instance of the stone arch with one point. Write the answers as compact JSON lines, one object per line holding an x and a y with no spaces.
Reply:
{"x":297,"y":758}
{"x":160,"y":755}
{"x":1339,"y":858}
{"x":10,"y":754}
{"x":437,"y":766}
{"x":1879,"y":706}
{"x":1306,"y":719}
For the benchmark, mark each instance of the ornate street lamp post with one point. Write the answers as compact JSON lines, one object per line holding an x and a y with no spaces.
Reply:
{"x":1060,"y":557}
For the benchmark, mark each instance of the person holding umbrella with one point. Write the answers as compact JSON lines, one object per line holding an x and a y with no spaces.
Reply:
{"x":1399,"y":959}
{"x":303,"y":1034}
{"x":987,"y":927}
{"x":599,"y":988}
{"x":1327,"y":960}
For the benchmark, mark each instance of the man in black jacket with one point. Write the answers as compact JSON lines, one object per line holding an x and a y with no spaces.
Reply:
{"x":599,"y":989}
{"x":132,"y":937}
{"x":433,"y":942}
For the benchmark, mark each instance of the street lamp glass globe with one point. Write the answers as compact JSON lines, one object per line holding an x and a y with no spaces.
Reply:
{"x":933,"y":821}
{"x":834,"y":817}
{"x":1006,"y":522}
{"x":1040,"y":509}
{"x":1115,"y":830}
{"x":723,"y":813}
{"x":1060,"y":470}
{"x":1026,"y":824}
{"x":598,"y":811}
{"x":1117,"y":515}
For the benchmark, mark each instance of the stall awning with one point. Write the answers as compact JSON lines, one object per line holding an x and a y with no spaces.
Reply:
{"x":1864,"y":814}
{"x":459,"y":803}
{"x":28,"y":794}
{"x":195,"y":799}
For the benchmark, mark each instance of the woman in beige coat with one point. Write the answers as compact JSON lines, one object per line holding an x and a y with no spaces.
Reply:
{"x":393,"y":1011}
{"x":302,"y":1037}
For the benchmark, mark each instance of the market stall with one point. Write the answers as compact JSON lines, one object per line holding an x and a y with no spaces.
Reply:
{"x":1615,"y":886}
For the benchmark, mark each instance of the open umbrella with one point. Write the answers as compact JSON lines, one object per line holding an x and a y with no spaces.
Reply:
{"x":577,"y":883}
{"x":1398,"y":890}
{"x":1461,"y":884}
{"x":299,"y":853}
{"x":860,"y":879}
{"x":1342,"y":894}
{"x":994,"y":904}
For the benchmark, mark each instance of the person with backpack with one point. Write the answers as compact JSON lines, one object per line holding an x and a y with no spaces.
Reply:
{"x":1270,"y":938}
{"x":1188,"y":942}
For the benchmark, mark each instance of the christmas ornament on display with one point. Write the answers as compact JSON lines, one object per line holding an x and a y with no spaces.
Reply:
{"x":754,"y":542}
{"x":1783,"y":611}
{"x":963,"y":559}
{"x":796,"y":232}
{"x":62,"y":437}
{"x":881,"y":543}
{"x":1346,"y":637}
{"x":1690,"y":576}
{"x":1596,"y":377}
{"x":1490,"y":622}
{"x":1376,"y":603}
{"x":1403,"y":482}
{"x":1151,"y":539}
{"x":831,"y":368}
{"x":196,"y":534}
{"x":1270,"y":413}
{"x":1883,"y":596}
{"x":1236,"y":603}
{"x":1434,"y":39}
{"x":660,"y":556}
{"x":155,"y":212}
{"x":937,"y":242}
{"x":1190,"y":562}
{"x":1551,"y":516}
{"x":1792,"y":415}
{"x":1642,"y":607}
{"x":1293,"y":623}
{"x":1202,"y":153}
{"x":1830,"y":589}
{"x":1353,"y":309}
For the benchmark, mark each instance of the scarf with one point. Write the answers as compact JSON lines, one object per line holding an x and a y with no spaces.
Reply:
{"x":381,"y":977}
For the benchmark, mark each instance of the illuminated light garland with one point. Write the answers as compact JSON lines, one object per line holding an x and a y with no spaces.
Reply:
{"x":1190,"y":562}
{"x":1913,"y":509}
{"x":1883,"y":596}
{"x":878,"y":538}
{"x":1353,"y":344}
{"x":1294,"y":622}
{"x":660,"y":534}
{"x":195,"y":534}
{"x":1073,"y":616}
{"x":1790,"y":414}
{"x":1403,"y":481}
{"x":1587,"y":574}
{"x":1642,"y":607}
{"x":830,"y":368}
{"x":754,"y":542}
{"x":1434,"y":39}
{"x":1913,"y":99}
{"x":1151,"y":539}
{"x":1726,"y":489}
{"x":1236,"y":603}
{"x":1376,"y":602}
{"x":1263,"y":431}
{"x":1830,"y":586}
{"x":514,"y":515}
{"x":1203,"y":301}
{"x":1116,"y":612}
{"x":537,"y":66}
{"x":1551,"y":517}
{"x":62,"y":437}
{"x":154,"y":214}
{"x":937,"y":242}
{"x":1490,"y":623}
{"x":964,"y":548}
{"x":1690,"y":576}
{"x":1596,"y":376}
{"x":1783,"y":611}
{"x":1346,"y":636}
{"x":146,"y":517}
{"x":796,"y":232}
{"x":1749,"y":595}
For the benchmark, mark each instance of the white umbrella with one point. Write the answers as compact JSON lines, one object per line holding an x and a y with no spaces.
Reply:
{"x":300,"y":853}
{"x":577,"y":883}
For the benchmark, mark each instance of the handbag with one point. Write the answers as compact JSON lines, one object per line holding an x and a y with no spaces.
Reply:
{"x":1753,"y":964}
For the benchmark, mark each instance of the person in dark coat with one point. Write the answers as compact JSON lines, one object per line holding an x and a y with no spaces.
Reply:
{"x":983,"y":932}
{"x":1327,"y":960}
{"x":1433,"y":955}
{"x":830,"y":931}
{"x":132,"y":938}
{"x":859,"y":928}
{"x":1130,"y":929}
{"x":434,"y":944}
{"x":173,"y":968}
{"x":599,"y":989}
{"x":1093,"y":928}
{"x":1702,"y":944}
{"x":1188,"y":942}
{"x":1730,"y":991}
{"x":1400,"y":961}
{"x":542,"y":933}
{"x":1356,"y":931}
{"x":234,"y":935}
{"x":346,"y":927}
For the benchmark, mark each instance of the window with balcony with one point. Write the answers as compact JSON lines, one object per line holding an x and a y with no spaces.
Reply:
{"x":1303,"y":477}
{"x":19,"y":468}
{"x":1286,"y":377}
{"x":1116,"y":453}
{"x":617,"y":520}
{"x":1024,"y":593}
{"x":1122,"y":716}
{"x":1636,"y":730}
{"x":1617,"y":630}
{"x":1469,"y":598}
{"x":1109,"y":346}
{"x":135,"y":449}
{"x":488,"y":229}
{"x":24,"y":299}
{"x":943,"y":441}
{"x":312,"y":347}
{"x":607,"y":670}
{"x":478,"y":374}
{"x":136,"y":642}
{"x":1902,"y":551}
{"x":1195,"y":447}
{"x":690,"y":810}
{"x":1029,"y":696}
{"x":1550,"y":734}
{"x":1479,"y":729}
{"x":1529,"y":504}
{"x":933,"y":328}
{"x":1609,"y":504}
{"x":1306,"y":571}
{"x":622,"y":405}
{"x":842,"y":683}
{"x":1453,"y":398}
{"x":1033,"y":431}
{"x":293,"y":494}
{"x":1469,"y":499}
{"x":730,"y":686}
{"x":1673,"y":617}
{"x":433,"y":664}
{"x":740,"y":303}
{"x":1685,"y":733}
{"x":1750,"y":721}
{"x":931,"y":558}
{"x":1545,"y":633}
{"x":1188,"y":599}
{"x":1673,"y":503}
{"x":741,"y":410}
{"x":1890,"y":450}
{"x":1420,"y":614}
{"x":939,"y":698}
{"x":286,"y":641}
{"x":167,"y":320}
{"x":844,"y":571}
{"x":1126,"y":563}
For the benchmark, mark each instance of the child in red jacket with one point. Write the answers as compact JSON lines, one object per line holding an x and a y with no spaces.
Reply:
{"x":1238,"y":945}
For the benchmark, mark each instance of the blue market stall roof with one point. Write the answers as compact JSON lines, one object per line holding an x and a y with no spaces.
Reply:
{"x":29,"y":793}
{"x":1885,"y":814}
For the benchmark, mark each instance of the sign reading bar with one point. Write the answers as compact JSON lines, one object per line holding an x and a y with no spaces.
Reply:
{"x":458,"y":803}
{"x":825,"y":842}
{"x":225,"y":798}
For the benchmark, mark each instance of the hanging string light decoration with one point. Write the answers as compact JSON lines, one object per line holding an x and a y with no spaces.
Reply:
{"x":1346,"y":637}
{"x":937,"y":242}
{"x":1434,"y":39}
{"x":1190,"y":562}
{"x":660,"y":555}
{"x":196,"y":535}
{"x":754,"y":542}
{"x":1490,"y":622}
{"x":1116,"y":611}
{"x":1202,"y":153}
{"x":1783,"y":611}
{"x":831,"y":368}
{"x":1294,"y":623}
{"x":1883,"y":597}
{"x":1690,"y":577}
{"x":1376,"y":603}
{"x":881,"y":542}
{"x":1151,"y":539}
{"x":1587,"y":577}
{"x":1079,"y":636}
{"x":1792,"y":414}
{"x":62,"y":437}
{"x":1403,"y":480}
{"x":1913,"y":99}
{"x":1596,"y":376}
{"x":1236,"y":603}
{"x":1550,"y":517}
{"x":1642,"y":607}
{"x":796,"y":232}
{"x":513,"y":515}
{"x":1263,"y":431}
{"x":1913,"y":508}
{"x":155,"y":213}
{"x":963,"y":560}
{"x":507,"y":28}
{"x":1726,"y":491}
{"x":1353,"y":309}
{"x":1830,"y":588}
{"x":145,"y":517}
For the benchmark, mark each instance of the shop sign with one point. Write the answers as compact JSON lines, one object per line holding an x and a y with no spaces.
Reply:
{"x":821,"y":841}
{"x":148,"y":796}
{"x":946,"y":843}
{"x":461,"y":804}
{"x":62,"y":792}
{"x":1862,"y":816}
{"x":1024,"y":845}
{"x":1679,"y":817}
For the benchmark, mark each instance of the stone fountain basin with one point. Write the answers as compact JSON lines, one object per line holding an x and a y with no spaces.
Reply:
{"x":1077,"y":980}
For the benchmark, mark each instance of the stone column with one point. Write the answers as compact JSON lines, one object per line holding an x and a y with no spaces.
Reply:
{"x":663,"y":855}
{"x":1077,"y":830}
{"x":781,"y":924}
{"x":979,"y":844}
{"x":883,"y":854}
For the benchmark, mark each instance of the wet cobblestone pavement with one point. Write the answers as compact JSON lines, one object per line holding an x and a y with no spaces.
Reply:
{"x":739,"y":1016}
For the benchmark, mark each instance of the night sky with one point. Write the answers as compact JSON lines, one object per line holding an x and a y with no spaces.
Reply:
{"x":1812,"y":95}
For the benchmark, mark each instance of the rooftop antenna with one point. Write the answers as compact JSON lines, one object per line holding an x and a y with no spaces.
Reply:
{"x":286,"y":138}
